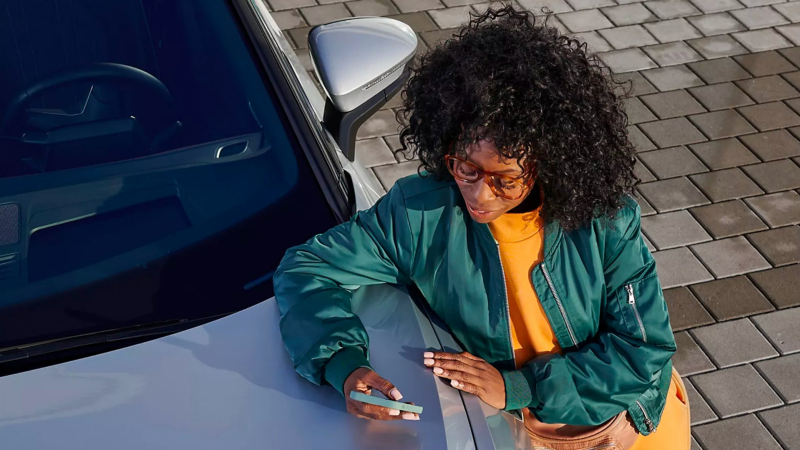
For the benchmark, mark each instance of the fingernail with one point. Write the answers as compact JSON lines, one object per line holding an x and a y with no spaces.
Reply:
{"x":394,"y":412}
{"x":438,"y":370}
{"x":454,"y":383}
{"x":396,"y":394}
{"x":410,"y":416}
{"x":427,"y":355}
{"x":428,"y":362}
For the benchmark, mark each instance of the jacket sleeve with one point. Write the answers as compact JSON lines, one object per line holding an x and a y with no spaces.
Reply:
{"x":608,"y":373}
{"x":315,"y":281}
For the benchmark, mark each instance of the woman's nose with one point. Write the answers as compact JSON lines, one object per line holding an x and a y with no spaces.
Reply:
{"x":482,"y":193}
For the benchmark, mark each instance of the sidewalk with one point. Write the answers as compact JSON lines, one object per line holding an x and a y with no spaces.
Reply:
{"x":714,"y":116}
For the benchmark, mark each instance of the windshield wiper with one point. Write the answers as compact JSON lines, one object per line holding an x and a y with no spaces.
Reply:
{"x":29,"y":351}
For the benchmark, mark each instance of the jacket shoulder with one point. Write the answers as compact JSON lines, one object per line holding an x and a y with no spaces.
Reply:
{"x":423,"y":184}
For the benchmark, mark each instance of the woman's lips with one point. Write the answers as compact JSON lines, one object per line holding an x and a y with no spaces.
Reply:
{"x":479,"y":213}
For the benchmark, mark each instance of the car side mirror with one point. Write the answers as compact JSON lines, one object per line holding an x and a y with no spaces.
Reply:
{"x":361,"y":64}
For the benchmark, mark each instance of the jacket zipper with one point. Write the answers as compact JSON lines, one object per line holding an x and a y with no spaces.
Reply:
{"x":632,"y":302}
{"x":647,"y":420}
{"x":508,"y":312}
{"x":560,"y":305}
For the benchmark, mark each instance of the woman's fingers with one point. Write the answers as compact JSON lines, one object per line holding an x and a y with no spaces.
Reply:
{"x":466,"y":387}
{"x":383,"y":386}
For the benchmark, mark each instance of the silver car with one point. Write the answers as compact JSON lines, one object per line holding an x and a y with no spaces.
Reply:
{"x":157,"y":158}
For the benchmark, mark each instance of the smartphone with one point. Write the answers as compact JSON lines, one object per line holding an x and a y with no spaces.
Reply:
{"x":362,"y":397}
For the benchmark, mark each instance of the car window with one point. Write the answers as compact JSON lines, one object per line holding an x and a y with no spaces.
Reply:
{"x":146,"y":171}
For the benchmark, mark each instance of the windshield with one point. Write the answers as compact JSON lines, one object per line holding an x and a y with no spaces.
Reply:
{"x":145,"y":170}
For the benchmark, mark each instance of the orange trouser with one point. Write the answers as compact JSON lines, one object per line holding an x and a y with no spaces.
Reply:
{"x":673,"y":432}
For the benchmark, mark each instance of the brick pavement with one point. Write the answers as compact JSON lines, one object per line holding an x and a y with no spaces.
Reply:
{"x":715,"y":118}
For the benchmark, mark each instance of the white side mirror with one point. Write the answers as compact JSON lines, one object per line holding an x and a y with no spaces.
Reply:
{"x":360,"y":63}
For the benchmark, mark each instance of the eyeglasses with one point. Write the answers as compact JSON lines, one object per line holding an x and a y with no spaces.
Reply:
{"x":501,"y":185}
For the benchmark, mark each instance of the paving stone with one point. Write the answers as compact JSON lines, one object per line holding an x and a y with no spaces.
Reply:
{"x":372,"y":8}
{"x":317,"y":15}
{"x":780,"y":285}
{"x":701,"y":412}
{"x":541,"y":7}
{"x":280,"y":5}
{"x":288,"y":19}
{"x":775,"y":176}
{"x":594,"y":42}
{"x":675,"y":229}
{"x":419,"y":21}
{"x":670,"y":78}
{"x":730,"y":257}
{"x":626,"y":37}
{"x":770,"y":116}
{"x":723,"y":154}
{"x":780,"y":246}
{"x":672,"y":132}
{"x":782,"y":208}
{"x":390,"y":173}
{"x":679,"y":267}
{"x":673,"y":194}
{"x":768,"y":89}
{"x":589,"y":4}
{"x":690,"y":358}
{"x":685,"y":311}
{"x":728,"y":219}
{"x":481,"y":8}
{"x":717,"y":47}
{"x":639,"y":140}
{"x":299,"y":36}
{"x":672,"y":162}
{"x":672,"y":30}
{"x":671,"y":9}
{"x":642,"y":173}
{"x":374,"y":152}
{"x":726,"y":184}
{"x":761,"y":40}
{"x":790,"y":32}
{"x":761,"y":17}
{"x":721,"y":96}
{"x":731,"y":298}
{"x":783,"y":424}
{"x":451,"y":17}
{"x":766,"y":63}
{"x":695,"y":445}
{"x":722,"y":124}
{"x":381,"y":123}
{"x":667,"y":105}
{"x":781,"y":329}
{"x":587,"y":20}
{"x":408,"y":6}
{"x":631,"y":14}
{"x":739,"y":433}
{"x":752,"y":3}
{"x":638,"y":84}
{"x":627,"y":60}
{"x":772,"y":145}
{"x":719,"y":71}
{"x":713,"y":6}
{"x":672,"y":54}
{"x":716,"y":24}
{"x":793,"y":78}
{"x":782,"y":373}
{"x":735,"y":391}
{"x":789,"y":10}
{"x":434,"y":37}
{"x":647,"y":210}
{"x":649,"y":244}
{"x":792,"y":54}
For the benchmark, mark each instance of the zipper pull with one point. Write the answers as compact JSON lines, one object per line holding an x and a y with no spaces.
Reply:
{"x":649,"y":424}
{"x":631,"y":298}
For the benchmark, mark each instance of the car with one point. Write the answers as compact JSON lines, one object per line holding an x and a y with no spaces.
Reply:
{"x":157,"y":158}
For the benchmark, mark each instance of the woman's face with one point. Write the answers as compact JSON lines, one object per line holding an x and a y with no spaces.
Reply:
{"x":481,"y":202}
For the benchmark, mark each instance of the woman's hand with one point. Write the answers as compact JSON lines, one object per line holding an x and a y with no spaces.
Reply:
{"x":469,"y":374}
{"x":364,"y":380}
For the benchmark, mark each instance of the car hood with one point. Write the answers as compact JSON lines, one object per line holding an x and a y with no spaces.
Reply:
{"x":230,"y":384}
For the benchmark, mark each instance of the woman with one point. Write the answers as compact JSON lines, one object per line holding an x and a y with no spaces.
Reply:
{"x":522,"y":237}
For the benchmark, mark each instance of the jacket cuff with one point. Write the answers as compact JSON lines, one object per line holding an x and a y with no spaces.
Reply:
{"x":518,"y":391}
{"x":342,"y":364}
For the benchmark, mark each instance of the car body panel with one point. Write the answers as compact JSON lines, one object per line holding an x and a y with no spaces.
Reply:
{"x":230,"y":384}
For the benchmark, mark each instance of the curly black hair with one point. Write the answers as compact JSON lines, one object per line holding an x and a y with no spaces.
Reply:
{"x":510,"y":78}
